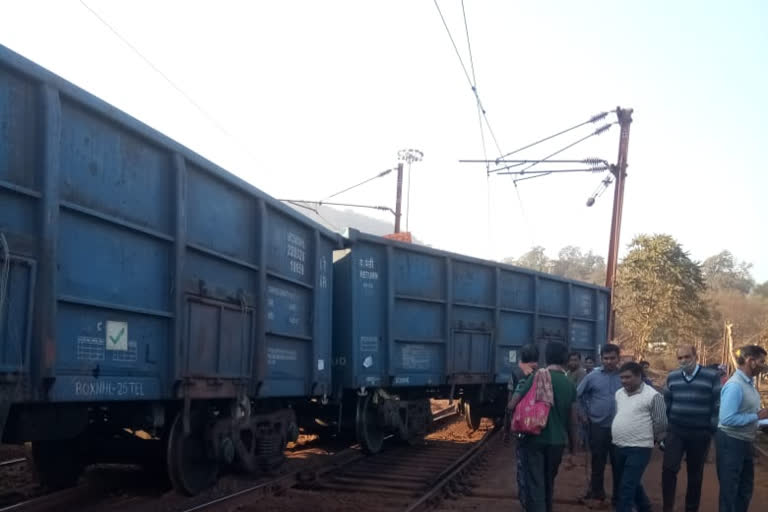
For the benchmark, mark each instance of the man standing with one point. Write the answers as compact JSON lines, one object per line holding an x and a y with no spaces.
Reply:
{"x":544,"y":452}
{"x":692,"y":397}
{"x":597,"y":393}
{"x":739,"y":414}
{"x":575,"y":372}
{"x":589,"y":364}
{"x":640,"y":421}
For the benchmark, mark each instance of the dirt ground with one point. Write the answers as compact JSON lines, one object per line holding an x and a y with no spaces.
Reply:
{"x":439,"y":405}
{"x":495,"y":489}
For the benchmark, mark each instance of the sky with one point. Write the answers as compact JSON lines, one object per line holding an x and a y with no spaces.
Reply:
{"x":305,"y":98}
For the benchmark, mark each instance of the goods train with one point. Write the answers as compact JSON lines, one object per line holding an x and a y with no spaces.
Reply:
{"x":157,"y":310}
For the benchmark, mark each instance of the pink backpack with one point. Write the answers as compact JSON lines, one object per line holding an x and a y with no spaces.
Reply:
{"x":531,"y":414}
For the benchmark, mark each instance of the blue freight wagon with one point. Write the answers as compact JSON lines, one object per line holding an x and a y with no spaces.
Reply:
{"x":412,"y":322}
{"x":146,"y":292}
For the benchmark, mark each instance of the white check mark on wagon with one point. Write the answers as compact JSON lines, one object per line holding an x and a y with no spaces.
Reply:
{"x":115,"y":339}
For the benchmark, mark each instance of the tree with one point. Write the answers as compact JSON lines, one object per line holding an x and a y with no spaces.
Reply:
{"x":534,"y":259}
{"x":659,"y":295}
{"x":747,"y":313}
{"x":761,"y":290}
{"x":724,"y":272}
{"x":572,"y":263}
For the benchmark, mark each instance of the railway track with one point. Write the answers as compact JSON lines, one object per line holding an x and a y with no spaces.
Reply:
{"x":302,"y":472}
{"x":12,"y":462}
{"x":301,"y":478}
{"x":404,"y":478}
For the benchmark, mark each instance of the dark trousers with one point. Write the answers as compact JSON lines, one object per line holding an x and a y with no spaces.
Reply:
{"x":601,"y":446}
{"x":523,"y":490}
{"x":543,"y":461}
{"x":694,"y":444}
{"x":631,"y":463}
{"x":735,"y":471}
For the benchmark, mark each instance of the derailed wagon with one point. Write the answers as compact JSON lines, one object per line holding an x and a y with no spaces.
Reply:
{"x":154,"y":307}
{"x":411,"y":322}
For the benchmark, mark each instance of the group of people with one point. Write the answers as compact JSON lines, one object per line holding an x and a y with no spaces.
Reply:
{"x":616,"y":412}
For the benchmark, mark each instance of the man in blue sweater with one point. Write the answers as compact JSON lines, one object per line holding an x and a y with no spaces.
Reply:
{"x":692,"y":396}
{"x":597,"y":394}
{"x":737,"y":429}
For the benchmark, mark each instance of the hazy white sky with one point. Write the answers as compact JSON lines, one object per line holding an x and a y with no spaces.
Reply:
{"x":315,"y":96}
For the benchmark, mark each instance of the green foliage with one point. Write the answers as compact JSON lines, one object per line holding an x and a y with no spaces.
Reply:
{"x":534,"y":259}
{"x":571,"y":262}
{"x":659,"y":295}
{"x":724,"y":272}
{"x":665,"y":299}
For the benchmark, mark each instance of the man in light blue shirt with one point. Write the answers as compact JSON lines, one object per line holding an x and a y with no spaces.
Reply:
{"x":597,"y":394}
{"x":739,"y":413}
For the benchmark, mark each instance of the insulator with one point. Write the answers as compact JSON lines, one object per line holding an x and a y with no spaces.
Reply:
{"x":602,"y":129}
{"x":598,"y":117}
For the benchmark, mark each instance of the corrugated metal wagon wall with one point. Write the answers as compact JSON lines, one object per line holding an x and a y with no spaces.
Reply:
{"x":407,"y":315}
{"x":139,"y":270}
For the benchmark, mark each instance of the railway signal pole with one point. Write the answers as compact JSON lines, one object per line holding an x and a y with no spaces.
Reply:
{"x":620,"y":173}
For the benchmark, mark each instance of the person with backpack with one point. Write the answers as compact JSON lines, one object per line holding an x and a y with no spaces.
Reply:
{"x":548,"y":434}
{"x":529,"y":362}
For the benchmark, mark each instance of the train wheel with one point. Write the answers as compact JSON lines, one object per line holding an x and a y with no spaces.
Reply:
{"x":57,"y":463}
{"x":419,"y":420}
{"x":190,"y":468}
{"x":471,"y":415}
{"x":369,"y":435}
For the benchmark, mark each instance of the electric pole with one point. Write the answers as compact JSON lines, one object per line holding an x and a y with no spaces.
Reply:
{"x":620,"y":172}
{"x":399,"y":201}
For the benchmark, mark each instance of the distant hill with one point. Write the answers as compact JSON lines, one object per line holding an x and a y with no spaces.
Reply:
{"x":340,"y":220}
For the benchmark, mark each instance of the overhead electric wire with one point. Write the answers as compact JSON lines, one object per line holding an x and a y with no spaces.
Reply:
{"x":482,"y":129}
{"x":379,"y":175}
{"x":589,"y":161}
{"x":173,"y":84}
{"x":469,"y":45}
{"x":323,"y":203}
{"x":299,"y":204}
{"x":481,"y":110}
{"x":314,"y":210}
{"x":455,"y":48}
{"x":599,"y":168}
{"x":469,"y":80}
{"x":593,"y":119}
{"x":599,"y":131}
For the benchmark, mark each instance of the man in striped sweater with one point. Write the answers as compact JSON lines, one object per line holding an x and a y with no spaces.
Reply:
{"x":692,"y":396}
